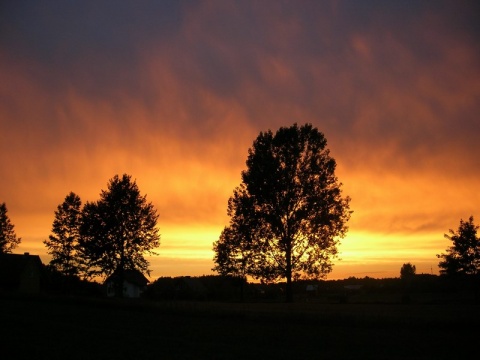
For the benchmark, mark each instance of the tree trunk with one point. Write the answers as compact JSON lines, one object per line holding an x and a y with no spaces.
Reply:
{"x":288,"y":275}
{"x":120,"y":274}
{"x":242,"y":281}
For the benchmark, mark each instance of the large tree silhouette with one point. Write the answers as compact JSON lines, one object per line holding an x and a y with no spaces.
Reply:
{"x":8,"y":238}
{"x":289,"y":210}
{"x":63,"y":243}
{"x":118,"y":230}
{"x":463,"y":257}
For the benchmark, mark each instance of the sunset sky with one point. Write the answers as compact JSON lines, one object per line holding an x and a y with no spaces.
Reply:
{"x":174,"y":93}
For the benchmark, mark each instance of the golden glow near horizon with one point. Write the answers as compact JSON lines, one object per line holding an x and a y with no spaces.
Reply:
{"x":178,"y":106}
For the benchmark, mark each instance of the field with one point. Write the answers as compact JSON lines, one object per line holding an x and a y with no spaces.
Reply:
{"x":75,"y":328}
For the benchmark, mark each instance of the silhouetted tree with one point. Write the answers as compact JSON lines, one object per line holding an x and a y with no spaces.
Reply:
{"x":118,"y":230}
{"x":407,"y":271}
{"x":231,"y":256}
{"x":236,"y":254}
{"x":63,"y":243}
{"x":234,"y":257}
{"x":407,"y":274}
{"x":289,"y":211}
{"x":8,"y":238}
{"x":464,"y":256}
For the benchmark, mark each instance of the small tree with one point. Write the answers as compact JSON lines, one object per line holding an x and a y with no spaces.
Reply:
{"x":407,"y":274}
{"x":8,"y":238}
{"x":118,"y":230}
{"x":463,"y":257}
{"x":289,"y":211}
{"x":407,"y":271}
{"x":63,"y":243}
{"x":236,"y":252}
{"x":230,"y":256}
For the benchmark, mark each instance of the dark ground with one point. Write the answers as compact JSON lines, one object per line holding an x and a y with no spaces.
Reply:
{"x":74,"y":328}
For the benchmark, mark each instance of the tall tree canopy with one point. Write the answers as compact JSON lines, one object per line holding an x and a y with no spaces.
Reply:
{"x":63,"y":243}
{"x":8,"y":238}
{"x":288,"y":214}
{"x":463,"y":257}
{"x":118,"y":230}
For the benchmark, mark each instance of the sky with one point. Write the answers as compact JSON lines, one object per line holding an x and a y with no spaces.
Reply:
{"x":174,"y":93}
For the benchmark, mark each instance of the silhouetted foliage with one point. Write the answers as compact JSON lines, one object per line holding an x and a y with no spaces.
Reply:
{"x":407,"y":274}
{"x":230,"y":256}
{"x":420,"y":289}
{"x":407,"y":271}
{"x":288,"y":214}
{"x":234,"y":255}
{"x":118,"y":230}
{"x":55,"y":282}
{"x":226,"y":288}
{"x":463,"y":257}
{"x":63,"y":243}
{"x":162,"y":288}
{"x":8,"y":238}
{"x":207,"y":287}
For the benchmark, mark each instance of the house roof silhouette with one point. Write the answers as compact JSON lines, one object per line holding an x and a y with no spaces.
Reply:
{"x":20,"y":272}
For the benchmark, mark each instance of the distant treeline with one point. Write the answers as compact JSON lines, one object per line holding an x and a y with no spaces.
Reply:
{"x":224,"y":288}
{"x":419,"y":288}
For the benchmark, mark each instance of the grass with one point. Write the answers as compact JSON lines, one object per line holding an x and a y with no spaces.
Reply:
{"x":73,"y":328}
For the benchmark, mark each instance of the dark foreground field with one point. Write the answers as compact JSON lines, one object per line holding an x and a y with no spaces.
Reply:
{"x":68,"y":328}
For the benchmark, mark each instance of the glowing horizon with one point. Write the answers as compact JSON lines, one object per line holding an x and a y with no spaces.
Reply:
{"x":188,"y":252}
